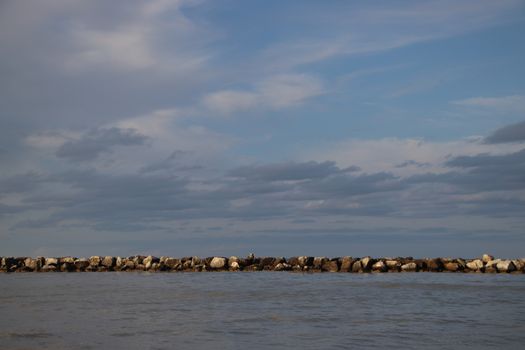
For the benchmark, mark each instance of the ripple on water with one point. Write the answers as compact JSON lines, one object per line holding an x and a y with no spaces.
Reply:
{"x":262,"y":310}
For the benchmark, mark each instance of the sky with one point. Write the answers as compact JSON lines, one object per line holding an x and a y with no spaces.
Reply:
{"x":194,"y":127}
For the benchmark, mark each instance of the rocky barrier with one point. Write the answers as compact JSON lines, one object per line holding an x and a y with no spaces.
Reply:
{"x":485,"y":264}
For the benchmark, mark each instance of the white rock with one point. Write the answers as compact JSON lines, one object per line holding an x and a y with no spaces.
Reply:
{"x":379,"y":266}
{"x":95,"y":260}
{"x":51,"y":261}
{"x":486,"y":258}
{"x":505,"y":266}
{"x":475,"y":265}
{"x":412,"y":266}
{"x":217,"y":263}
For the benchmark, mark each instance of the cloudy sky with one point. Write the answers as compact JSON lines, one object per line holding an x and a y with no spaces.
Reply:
{"x":300,"y":127}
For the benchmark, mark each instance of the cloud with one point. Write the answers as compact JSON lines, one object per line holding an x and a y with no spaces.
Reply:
{"x":289,"y":171}
{"x":135,"y":42}
{"x":509,"y":133}
{"x":98,"y":141}
{"x":402,"y":157}
{"x":276,"y":92}
{"x":504,"y":104}
{"x":349,"y":31}
{"x":481,"y":172}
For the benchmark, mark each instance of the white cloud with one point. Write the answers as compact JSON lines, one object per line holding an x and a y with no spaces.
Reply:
{"x":279,"y":91}
{"x":167,"y":134}
{"x":357,"y":31}
{"x":136,"y":42}
{"x":508,"y":104}
{"x":403,"y":157}
{"x":230,"y":101}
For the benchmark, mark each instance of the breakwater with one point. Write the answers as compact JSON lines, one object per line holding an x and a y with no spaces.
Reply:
{"x":485,"y":264}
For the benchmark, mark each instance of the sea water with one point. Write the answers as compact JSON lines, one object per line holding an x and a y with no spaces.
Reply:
{"x":261,"y":310}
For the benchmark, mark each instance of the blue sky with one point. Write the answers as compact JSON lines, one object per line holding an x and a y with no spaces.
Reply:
{"x":283,"y":128}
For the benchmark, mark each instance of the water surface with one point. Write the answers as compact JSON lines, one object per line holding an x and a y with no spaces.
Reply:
{"x":261,"y":310}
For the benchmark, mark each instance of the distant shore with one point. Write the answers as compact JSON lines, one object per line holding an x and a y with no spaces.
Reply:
{"x":485,"y":264}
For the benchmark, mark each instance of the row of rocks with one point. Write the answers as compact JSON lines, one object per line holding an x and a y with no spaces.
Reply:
{"x":485,"y":264}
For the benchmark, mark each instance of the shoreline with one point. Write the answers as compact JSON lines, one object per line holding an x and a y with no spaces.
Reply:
{"x":348,"y":264}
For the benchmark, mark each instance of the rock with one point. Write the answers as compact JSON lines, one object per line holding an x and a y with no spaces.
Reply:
{"x":305,"y":261}
{"x":119,"y":262}
{"x":147,"y":262}
{"x":366,"y":263}
{"x":357,"y":267}
{"x":490,"y":266}
{"x":94,"y":261}
{"x":233,"y":259}
{"x":81,"y":264}
{"x":234,"y":265}
{"x":150,"y":260}
{"x":330,"y":266}
{"x":421,"y":264}
{"x":462,"y":264}
{"x":67,"y":259}
{"x":520,"y":265}
{"x":172,"y":263}
{"x":267,"y":263}
{"x":486,"y":258}
{"x":67,"y":267}
{"x":282,"y":267}
{"x":294,"y":261}
{"x":138,"y":259}
{"x":129,"y":265}
{"x":32,"y":264}
{"x":505,"y":266}
{"x":108,"y":261}
{"x":187,"y":265}
{"x":48,"y":268}
{"x":346,"y":264}
{"x":452,"y":266}
{"x":217,"y":263}
{"x":475,"y":265}
{"x":393,"y":265}
{"x":409,"y":267}
{"x":52,"y":261}
{"x":318,"y":262}
{"x":435,"y":265}
{"x":196,"y":261}
{"x":379,"y":267}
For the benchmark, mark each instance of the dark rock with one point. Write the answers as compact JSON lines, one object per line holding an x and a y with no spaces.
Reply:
{"x":435,"y":265}
{"x":81,"y":264}
{"x":67,"y":267}
{"x":346,"y":264}
{"x":330,"y":266}
{"x":366,"y":263}
{"x":267,"y":263}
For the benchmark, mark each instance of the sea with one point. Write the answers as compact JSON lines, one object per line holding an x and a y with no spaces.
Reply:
{"x":261,"y":310}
